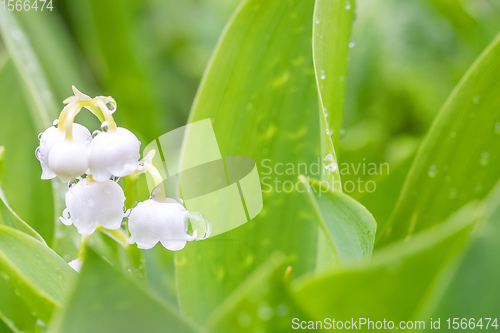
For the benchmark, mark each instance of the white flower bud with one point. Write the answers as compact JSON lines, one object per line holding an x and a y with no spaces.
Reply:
{"x":90,"y":204}
{"x":68,"y":159}
{"x":114,"y":153}
{"x":50,"y":137}
{"x":164,"y":221}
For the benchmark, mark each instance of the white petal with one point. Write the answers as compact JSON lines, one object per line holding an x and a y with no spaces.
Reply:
{"x":68,"y":159}
{"x":165,"y":221}
{"x":95,"y":203}
{"x":52,"y":136}
{"x":114,"y":154}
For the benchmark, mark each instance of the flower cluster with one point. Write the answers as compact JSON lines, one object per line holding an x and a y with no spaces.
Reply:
{"x":93,"y":163}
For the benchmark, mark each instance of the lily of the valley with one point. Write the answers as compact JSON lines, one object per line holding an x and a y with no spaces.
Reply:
{"x":164,"y":221}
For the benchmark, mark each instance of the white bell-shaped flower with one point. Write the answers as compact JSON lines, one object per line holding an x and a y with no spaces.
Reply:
{"x":50,"y":137}
{"x":154,"y":221}
{"x":69,"y":159}
{"x":90,"y":204}
{"x":115,"y":153}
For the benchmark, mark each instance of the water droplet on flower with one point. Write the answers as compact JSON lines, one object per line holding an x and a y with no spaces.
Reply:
{"x":141,"y":166}
{"x":114,"y":179}
{"x":73,"y":182}
{"x":95,"y":133}
{"x":40,"y":136}
{"x":200,"y":224}
{"x":66,"y":214}
{"x":90,"y":202}
{"x":128,"y":212}
{"x":111,"y":105}
{"x":432,"y":171}
{"x":55,"y":123}
{"x":38,"y":154}
{"x":104,"y":126}
{"x":485,"y":157}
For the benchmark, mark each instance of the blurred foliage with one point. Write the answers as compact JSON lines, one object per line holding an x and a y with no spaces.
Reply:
{"x":404,"y":60}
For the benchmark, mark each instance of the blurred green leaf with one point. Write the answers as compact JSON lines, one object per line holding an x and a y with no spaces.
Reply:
{"x":396,"y":283}
{"x":260,"y":304}
{"x":13,"y":220}
{"x":29,"y":70}
{"x":38,"y":274}
{"x":471,"y":291}
{"x":459,"y":156}
{"x":114,"y":303}
{"x":28,"y":196}
{"x":14,"y":311}
{"x":113,"y":49}
{"x":349,"y":228}
{"x":270,"y":115}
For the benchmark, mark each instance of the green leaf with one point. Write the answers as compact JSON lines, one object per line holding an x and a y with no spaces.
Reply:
{"x":118,"y":62}
{"x":39,"y":275}
{"x":14,"y":311}
{"x":114,"y":303}
{"x":459,"y":156}
{"x":29,"y":70}
{"x":13,"y":220}
{"x":470,"y":289}
{"x":270,"y":115}
{"x":396,"y":283}
{"x":349,"y":228}
{"x":332,"y":28}
{"x":30,"y":198}
{"x":260,"y":304}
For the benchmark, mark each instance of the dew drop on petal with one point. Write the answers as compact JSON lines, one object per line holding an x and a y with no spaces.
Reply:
{"x":111,"y":105}
{"x":105,"y":126}
{"x":38,"y":154}
{"x":200,"y":225}
{"x":95,"y":133}
{"x":55,"y":123}
{"x":40,"y":136}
